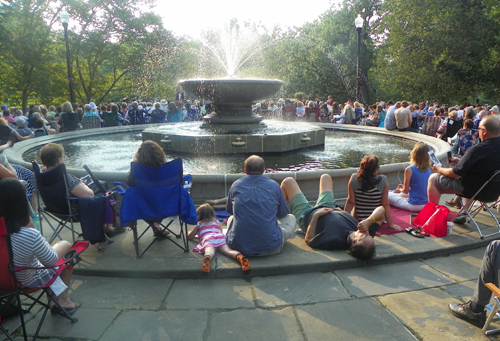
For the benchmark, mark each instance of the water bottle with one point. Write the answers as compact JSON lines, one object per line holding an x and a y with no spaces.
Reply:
{"x":36,"y":221}
{"x":187,"y":186}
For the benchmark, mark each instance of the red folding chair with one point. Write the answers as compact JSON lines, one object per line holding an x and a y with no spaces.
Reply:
{"x":11,"y":288}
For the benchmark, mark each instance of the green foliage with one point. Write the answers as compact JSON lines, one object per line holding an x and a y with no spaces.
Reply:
{"x":320,"y":57}
{"x":434,"y":48}
{"x":26,"y":48}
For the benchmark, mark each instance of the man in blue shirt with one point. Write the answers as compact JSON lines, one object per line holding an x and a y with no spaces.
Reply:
{"x":390,"y":118}
{"x":256,"y":203}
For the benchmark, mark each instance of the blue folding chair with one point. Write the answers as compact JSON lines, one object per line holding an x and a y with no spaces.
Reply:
{"x":158,"y":193}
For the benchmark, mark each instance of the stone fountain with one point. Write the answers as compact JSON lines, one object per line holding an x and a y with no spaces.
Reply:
{"x":233,"y":128}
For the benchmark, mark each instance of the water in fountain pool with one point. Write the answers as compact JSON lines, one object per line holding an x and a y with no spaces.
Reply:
{"x":114,"y":152}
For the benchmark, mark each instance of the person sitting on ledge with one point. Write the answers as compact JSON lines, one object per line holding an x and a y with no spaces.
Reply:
{"x":260,"y":221}
{"x":328,"y":228}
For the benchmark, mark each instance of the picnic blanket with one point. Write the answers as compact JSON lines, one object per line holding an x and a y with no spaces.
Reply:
{"x":402,"y":218}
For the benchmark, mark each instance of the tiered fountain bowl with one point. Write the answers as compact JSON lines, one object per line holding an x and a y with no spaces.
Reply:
{"x":234,"y":127}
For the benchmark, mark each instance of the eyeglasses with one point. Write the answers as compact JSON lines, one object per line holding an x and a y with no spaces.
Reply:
{"x":481,"y":128}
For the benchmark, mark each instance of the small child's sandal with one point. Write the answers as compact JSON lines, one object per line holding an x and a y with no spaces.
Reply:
{"x":206,"y":264}
{"x":245,"y":264}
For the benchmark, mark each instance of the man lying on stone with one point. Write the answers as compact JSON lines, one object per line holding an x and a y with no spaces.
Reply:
{"x":327,"y":228}
{"x":473,"y":310}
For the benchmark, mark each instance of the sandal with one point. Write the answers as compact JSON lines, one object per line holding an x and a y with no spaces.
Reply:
{"x":206,"y":264}
{"x":70,"y":311}
{"x":245,"y":265}
{"x":160,"y":232}
{"x":417,"y":232}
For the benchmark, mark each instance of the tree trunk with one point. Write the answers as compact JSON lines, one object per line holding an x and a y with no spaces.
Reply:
{"x":24,"y":100}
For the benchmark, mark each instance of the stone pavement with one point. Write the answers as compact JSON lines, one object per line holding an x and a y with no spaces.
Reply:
{"x":165,"y":260}
{"x":399,"y":301}
{"x":301,"y":294}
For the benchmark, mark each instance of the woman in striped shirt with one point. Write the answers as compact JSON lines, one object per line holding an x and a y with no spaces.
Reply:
{"x":29,"y":247}
{"x":367,"y":191}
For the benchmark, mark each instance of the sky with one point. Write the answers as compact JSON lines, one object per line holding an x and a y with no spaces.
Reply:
{"x":191,"y":17}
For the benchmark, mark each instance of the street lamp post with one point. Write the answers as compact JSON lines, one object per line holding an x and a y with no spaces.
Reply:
{"x":359,"y":26}
{"x":64,"y":16}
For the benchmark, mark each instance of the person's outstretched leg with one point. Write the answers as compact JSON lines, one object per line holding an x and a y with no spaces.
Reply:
{"x":473,"y":310}
{"x":325,"y":183}
{"x":61,"y":248}
{"x":207,"y":258}
{"x":290,"y":188}
{"x":245,"y":265}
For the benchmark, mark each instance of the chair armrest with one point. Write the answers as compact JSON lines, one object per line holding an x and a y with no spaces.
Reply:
{"x":493,"y":288}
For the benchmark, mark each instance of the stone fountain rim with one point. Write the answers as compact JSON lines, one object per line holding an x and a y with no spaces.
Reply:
{"x":441,"y":148}
{"x":15,"y":153}
{"x":229,"y":80}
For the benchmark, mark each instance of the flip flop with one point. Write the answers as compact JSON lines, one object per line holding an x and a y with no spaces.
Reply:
{"x":70,"y":311}
{"x":416,"y":232}
{"x":159,"y":232}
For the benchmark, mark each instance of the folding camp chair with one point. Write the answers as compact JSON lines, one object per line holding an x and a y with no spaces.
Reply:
{"x":6,"y":135}
{"x":52,"y":188}
{"x":110,"y":119}
{"x":158,"y":193}
{"x":493,"y":310}
{"x":69,"y":121}
{"x":312,"y":114}
{"x":11,"y":288}
{"x":431,"y":125}
{"x":483,"y":200}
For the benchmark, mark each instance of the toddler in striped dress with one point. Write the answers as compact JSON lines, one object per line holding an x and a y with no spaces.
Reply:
{"x":211,"y":238}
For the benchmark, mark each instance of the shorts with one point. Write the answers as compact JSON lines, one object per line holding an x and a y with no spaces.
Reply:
{"x":43,"y":279}
{"x":299,"y":206}
{"x":446,"y":185}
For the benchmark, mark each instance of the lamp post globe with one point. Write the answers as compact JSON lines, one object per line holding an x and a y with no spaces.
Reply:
{"x":358,"y":22}
{"x":64,"y":16}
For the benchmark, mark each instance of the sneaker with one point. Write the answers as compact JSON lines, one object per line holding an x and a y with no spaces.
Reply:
{"x":464,"y":312}
{"x":460,"y":219}
{"x":453,"y":203}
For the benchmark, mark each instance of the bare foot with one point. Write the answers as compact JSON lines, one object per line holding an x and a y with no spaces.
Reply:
{"x":109,"y":228}
{"x":396,"y":227}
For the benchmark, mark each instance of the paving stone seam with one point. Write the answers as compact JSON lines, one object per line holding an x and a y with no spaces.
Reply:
{"x":448,"y":276}
{"x":299,"y":323}
{"x":413,"y":332}
{"x":208,"y":329}
{"x":343,"y":285}
{"x":459,"y":298}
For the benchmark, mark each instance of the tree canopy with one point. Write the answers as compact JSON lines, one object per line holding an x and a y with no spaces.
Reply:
{"x":416,"y":50}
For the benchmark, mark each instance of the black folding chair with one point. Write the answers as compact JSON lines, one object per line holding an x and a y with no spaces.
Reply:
{"x":483,"y":199}
{"x":69,"y":121}
{"x":66,"y":210}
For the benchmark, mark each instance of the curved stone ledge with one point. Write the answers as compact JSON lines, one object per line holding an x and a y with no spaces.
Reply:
{"x":217,"y":185}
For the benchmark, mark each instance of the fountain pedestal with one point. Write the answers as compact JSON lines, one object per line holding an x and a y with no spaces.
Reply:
{"x":233,"y":128}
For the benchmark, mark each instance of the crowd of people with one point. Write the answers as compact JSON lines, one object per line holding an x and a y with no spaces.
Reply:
{"x":40,"y":121}
{"x":263,"y":213}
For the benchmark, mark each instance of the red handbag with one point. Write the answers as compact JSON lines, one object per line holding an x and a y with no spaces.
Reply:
{"x":433,"y":219}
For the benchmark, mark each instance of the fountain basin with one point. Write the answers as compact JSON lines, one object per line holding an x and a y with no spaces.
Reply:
{"x":232,"y":99}
{"x":192,"y":140}
{"x":217,"y":186}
